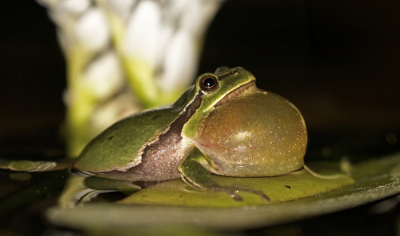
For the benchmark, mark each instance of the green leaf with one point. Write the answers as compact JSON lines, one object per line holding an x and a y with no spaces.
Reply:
{"x":178,"y":205}
{"x":283,"y":188}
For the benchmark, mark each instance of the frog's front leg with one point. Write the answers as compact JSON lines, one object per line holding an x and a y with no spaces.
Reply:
{"x":194,"y":174}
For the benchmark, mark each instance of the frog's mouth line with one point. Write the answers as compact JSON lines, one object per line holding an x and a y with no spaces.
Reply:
{"x":236,"y":92}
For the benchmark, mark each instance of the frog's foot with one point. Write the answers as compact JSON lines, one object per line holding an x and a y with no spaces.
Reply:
{"x":195,"y":175}
{"x":233,"y":191}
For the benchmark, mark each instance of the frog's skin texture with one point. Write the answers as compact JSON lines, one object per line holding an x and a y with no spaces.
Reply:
{"x":230,"y":128}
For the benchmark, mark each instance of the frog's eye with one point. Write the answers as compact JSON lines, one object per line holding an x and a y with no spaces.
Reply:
{"x":208,"y":83}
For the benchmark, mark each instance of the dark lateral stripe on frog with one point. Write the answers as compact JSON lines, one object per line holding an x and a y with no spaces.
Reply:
{"x":226,"y":74}
{"x":165,"y":145}
{"x":235,"y":93}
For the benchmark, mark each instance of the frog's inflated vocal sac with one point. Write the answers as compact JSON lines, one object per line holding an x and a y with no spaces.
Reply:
{"x":222,"y":124}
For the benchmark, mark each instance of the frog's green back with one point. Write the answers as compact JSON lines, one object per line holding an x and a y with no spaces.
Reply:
{"x":118,"y":147}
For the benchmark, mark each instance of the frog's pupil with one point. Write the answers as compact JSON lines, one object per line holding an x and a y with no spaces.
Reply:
{"x":209,"y":82}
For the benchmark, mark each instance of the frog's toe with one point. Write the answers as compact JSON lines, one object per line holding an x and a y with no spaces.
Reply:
{"x":263,"y":196}
{"x":247,"y":189}
{"x":233,"y":192}
{"x":235,"y":195}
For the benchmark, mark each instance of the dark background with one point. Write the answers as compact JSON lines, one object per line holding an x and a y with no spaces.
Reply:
{"x":336,"y":60}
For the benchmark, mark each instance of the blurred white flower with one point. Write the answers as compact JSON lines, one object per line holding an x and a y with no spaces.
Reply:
{"x":92,"y":30}
{"x":104,"y":75}
{"x":166,"y":36}
{"x":152,"y":45}
{"x":180,"y":61}
{"x":143,"y":31}
{"x":75,"y":6}
{"x":117,"y":108}
{"x":123,"y":7}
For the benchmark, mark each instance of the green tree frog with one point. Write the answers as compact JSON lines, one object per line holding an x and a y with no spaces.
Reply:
{"x":223,"y":124}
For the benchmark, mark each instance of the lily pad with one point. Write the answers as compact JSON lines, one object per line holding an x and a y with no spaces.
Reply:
{"x":283,"y":188}
{"x":371,"y":181}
